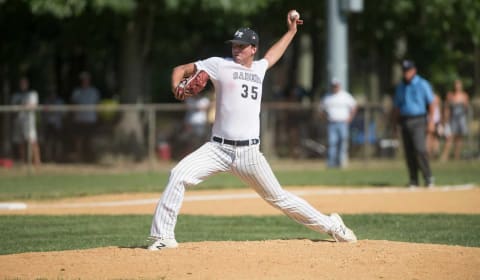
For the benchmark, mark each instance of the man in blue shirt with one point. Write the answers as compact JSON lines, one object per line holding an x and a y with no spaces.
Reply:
{"x":412,"y":102}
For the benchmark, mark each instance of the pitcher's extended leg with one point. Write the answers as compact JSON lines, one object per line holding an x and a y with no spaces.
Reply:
{"x":190,"y":171}
{"x":252,"y":167}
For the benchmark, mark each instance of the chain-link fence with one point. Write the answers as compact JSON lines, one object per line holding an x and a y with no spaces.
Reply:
{"x":160,"y":132}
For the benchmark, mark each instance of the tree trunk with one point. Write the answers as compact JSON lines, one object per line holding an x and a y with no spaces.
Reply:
{"x":135,"y":80}
{"x":373,"y":94}
{"x":476,"y":71}
{"x":5,"y":148}
{"x":318,"y":60}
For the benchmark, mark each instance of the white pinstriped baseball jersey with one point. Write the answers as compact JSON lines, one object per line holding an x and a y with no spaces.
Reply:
{"x":239,"y":93}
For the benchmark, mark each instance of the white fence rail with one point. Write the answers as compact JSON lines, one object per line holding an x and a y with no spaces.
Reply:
{"x":158,"y":132}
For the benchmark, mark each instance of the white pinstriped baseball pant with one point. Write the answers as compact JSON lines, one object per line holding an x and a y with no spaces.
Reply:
{"x":247,"y":163}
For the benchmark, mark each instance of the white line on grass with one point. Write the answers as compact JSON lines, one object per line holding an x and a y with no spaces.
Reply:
{"x":13,"y":206}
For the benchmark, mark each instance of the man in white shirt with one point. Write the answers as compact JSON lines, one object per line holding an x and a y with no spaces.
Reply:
{"x":340,"y":108}
{"x":197,"y":115}
{"x":25,"y":128}
{"x":234,"y":146}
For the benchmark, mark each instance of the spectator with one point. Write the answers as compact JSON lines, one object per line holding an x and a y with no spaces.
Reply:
{"x":412,"y":97}
{"x":17,"y":128}
{"x":84,"y":121}
{"x":433,"y":137}
{"x":53,"y":148}
{"x":340,"y":108}
{"x":25,"y":131}
{"x":196,"y":120}
{"x":456,"y":109}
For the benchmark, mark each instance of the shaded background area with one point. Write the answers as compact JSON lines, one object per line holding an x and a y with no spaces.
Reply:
{"x":130,"y":47}
{"x":139,"y":41}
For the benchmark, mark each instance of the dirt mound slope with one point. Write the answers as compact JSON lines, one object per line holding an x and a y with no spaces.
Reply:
{"x":275,"y":259}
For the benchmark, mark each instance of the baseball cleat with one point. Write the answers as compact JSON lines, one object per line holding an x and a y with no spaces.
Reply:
{"x":340,"y":232}
{"x":162,"y":243}
{"x":412,"y":184}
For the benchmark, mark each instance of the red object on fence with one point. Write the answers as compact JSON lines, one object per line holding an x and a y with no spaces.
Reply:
{"x":6,"y":162}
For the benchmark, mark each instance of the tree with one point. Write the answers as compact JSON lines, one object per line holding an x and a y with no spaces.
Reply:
{"x":128,"y":42}
{"x":440,"y":35}
{"x":130,"y":46}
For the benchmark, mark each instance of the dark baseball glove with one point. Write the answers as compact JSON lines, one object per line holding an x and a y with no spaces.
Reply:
{"x":191,"y":85}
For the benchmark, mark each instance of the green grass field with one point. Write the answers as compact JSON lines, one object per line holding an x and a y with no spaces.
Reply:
{"x":69,"y":184}
{"x":47,"y":233}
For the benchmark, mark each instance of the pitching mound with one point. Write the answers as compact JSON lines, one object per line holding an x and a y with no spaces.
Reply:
{"x":276,"y":259}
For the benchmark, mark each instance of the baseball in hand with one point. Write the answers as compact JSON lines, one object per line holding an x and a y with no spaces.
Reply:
{"x":294,"y":15}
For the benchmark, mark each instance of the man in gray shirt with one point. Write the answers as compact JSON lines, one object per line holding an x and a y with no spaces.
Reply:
{"x":84,"y":121}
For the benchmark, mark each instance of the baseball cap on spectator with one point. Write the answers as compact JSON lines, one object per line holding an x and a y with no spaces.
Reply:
{"x":407,"y":65}
{"x":335,"y":82}
{"x":245,"y":36}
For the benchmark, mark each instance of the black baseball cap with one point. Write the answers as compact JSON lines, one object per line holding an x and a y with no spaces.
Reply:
{"x":245,"y":36}
{"x":407,"y":65}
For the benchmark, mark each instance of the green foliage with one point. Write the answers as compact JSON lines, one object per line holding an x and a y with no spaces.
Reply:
{"x":69,"y":8}
{"x":123,"y":6}
{"x":90,"y":34}
{"x":471,"y":9}
{"x":237,"y":6}
{"x":49,"y":233}
{"x":58,"y":8}
{"x":439,"y":35}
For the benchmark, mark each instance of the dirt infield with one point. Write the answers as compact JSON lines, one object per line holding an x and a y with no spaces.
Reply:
{"x":274,"y":259}
{"x":460,"y":199}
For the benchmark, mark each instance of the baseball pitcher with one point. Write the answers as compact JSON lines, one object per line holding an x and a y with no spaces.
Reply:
{"x":234,"y":145}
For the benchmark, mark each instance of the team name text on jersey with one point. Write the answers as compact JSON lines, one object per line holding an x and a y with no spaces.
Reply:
{"x":246,"y":76}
